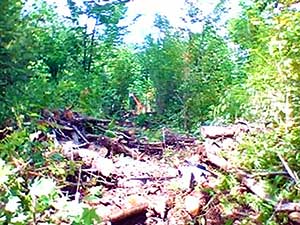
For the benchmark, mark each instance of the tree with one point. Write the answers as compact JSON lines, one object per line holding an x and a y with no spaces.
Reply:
{"x":58,"y":43}
{"x":268,"y":32}
{"x":106,"y":29}
{"x":163,"y":65}
{"x":16,"y":45}
{"x":210,"y":73}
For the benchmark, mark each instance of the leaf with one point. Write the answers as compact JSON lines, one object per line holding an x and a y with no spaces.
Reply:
{"x":57,"y":157}
{"x":5,"y":171}
{"x":42,"y":187}
{"x":12,"y":204}
{"x":89,"y":216}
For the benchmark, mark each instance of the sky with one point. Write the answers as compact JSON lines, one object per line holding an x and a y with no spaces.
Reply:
{"x":172,"y":9}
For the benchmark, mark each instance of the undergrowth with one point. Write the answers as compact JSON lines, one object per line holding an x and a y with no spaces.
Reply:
{"x":259,"y":154}
{"x":32,"y":174}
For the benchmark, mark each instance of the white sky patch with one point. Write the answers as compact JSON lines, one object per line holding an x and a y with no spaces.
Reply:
{"x":148,"y":9}
{"x":172,"y":9}
{"x":62,"y":7}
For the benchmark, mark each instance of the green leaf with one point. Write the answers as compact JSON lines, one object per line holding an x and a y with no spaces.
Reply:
{"x":42,"y":187}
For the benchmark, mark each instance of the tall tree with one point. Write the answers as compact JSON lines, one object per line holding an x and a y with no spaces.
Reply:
{"x":163,"y":65}
{"x":105,"y":28}
{"x":210,"y":73}
{"x":17,"y":45}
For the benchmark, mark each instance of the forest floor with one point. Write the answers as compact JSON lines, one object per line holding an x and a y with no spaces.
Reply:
{"x":130,"y":179}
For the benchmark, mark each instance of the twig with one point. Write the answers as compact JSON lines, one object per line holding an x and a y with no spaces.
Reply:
{"x":209,"y":202}
{"x":144,"y":179}
{"x":78,"y":184}
{"x":266,"y":173}
{"x":257,"y":187}
{"x":100,"y":178}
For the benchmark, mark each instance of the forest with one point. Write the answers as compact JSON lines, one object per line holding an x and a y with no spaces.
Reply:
{"x":185,"y":127}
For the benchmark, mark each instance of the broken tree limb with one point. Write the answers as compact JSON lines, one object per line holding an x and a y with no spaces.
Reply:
{"x":213,"y":147}
{"x":255,"y":186}
{"x":132,"y":205}
{"x":215,"y":132}
{"x":94,"y":120}
{"x":292,"y":174}
{"x":295,"y":217}
{"x":173,"y":139}
{"x":149,"y":178}
{"x":121,"y":214}
{"x":219,"y":162}
{"x":288,"y":207}
{"x":114,"y":146}
{"x":268,"y":174}
{"x":80,"y":134}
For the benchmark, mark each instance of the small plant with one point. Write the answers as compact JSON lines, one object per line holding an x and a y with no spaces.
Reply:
{"x":28,"y":196}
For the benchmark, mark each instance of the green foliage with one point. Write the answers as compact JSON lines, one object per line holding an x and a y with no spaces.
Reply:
{"x":72,"y":67}
{"x":16,"y":46}
{"x":233,"y":104}
{"x":29,"y":199}
{"x":91,"y":73}
{"x":211,"y":73}
{"x":258,"y":154}
{"x":270,"y":38}
{"x":187,"y":78}
{"x":43,"y":198}
{"x":272,"y":47}
{"x":268,"y":41}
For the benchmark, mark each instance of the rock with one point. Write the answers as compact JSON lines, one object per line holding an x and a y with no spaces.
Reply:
{"x":103,"y":165}
{"x":194,"y":202}
{"x":295,"y":217}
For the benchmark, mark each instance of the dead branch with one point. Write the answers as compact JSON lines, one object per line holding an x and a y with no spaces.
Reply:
{"x":177,"y":140}
{"x":218,"y":131}
{"x":255,"y":186}
{"x":215,"y":132}
{"x":268,"y":174}
{"x":219,"y":162}
{"x":120,"y":214}
{"x":148,"y":178}
{"x":105,"y":122}
{"x":114,"y":146}
{"x":292,"y":174}
{"x":288,"y":207}
{"x":80,"y":134}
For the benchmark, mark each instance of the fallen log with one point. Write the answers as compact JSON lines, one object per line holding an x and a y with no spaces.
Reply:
{"x":177,"y":140}
{"x":114,"y":146}
{"x":292,"y":174}
{"x":288,"y":207}
{"x":214,"y":132}
{"x":257,"y":187}
{"x":121,"y":214}
{"x":132,"y":205}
